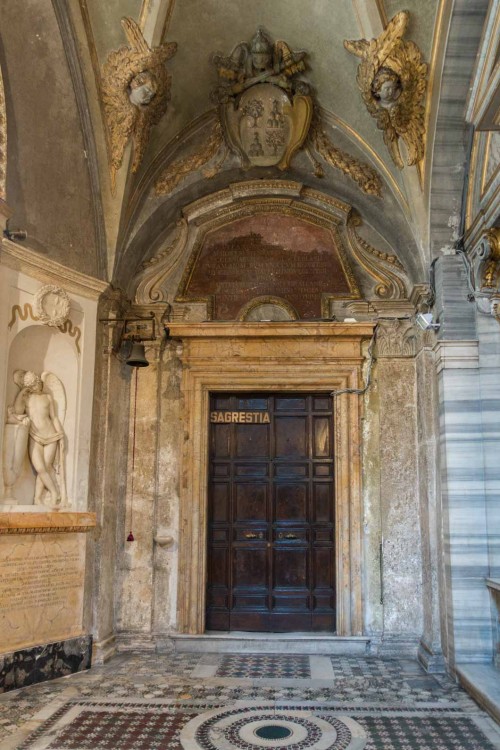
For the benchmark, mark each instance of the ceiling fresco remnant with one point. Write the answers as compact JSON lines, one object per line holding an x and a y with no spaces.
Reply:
{"x":265,"y":114}
{"x":270,"y":257}
{"x":136,"y":92}
{"x":392,"y":79}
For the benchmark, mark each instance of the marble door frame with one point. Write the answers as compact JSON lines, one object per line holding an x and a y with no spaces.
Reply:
{"x":299,"y":357}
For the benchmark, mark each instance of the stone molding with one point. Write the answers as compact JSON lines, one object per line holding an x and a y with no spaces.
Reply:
{"x":46,"y":523}
{"x":270,"y":357}
{"x":33,"y":264}
{"x":456,"y":355}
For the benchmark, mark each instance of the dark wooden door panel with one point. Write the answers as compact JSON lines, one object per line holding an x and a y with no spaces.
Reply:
{"x":271,"y":552}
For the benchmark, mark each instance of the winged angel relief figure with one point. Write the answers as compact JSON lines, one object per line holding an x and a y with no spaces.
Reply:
{"x":393,"y":79}
{"x":35,"y":424}
{"x":136,"y":92}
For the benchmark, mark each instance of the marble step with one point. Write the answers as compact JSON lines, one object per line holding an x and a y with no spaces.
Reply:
{"x":271,"y":643}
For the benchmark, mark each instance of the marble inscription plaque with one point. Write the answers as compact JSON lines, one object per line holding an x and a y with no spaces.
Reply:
{"x":268,"y":256}
{"x":41,"y":588}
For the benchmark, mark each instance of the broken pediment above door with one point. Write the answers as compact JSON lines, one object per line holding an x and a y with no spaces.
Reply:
{"x":273,"y":243}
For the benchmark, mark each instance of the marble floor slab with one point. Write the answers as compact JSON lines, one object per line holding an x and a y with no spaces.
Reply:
{"x":246,"y":701}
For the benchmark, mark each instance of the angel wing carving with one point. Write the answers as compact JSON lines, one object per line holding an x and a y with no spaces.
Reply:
{"x":53,"y":386}
{"x":392,"y":79}
{"x":136,"y":92}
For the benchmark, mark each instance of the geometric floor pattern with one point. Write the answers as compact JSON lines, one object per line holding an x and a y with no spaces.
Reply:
{"x":262,"y":666}
{"x":246,"y":702}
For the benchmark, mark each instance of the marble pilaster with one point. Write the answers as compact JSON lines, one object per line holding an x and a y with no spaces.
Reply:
{"x":399,"y":507}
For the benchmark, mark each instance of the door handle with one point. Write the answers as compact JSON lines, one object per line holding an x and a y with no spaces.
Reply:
{"x":251,"y":535}
{"x":287,"y":536}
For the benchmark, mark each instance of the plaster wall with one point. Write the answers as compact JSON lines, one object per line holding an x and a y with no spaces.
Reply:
{"x":48,"y":183}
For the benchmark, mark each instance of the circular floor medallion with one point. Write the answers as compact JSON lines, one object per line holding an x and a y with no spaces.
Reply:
{"x":252,"y":726}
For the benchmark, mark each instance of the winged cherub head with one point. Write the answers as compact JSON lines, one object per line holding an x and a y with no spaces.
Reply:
{"x":142,"y":88}
{"x":386,"y":86}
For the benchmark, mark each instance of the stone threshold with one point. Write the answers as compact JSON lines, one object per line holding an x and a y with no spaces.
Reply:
{"x":482,"y":682}
{"x":271,"y":643}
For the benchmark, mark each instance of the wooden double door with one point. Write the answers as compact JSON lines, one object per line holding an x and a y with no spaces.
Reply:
{"x":271,"y":527}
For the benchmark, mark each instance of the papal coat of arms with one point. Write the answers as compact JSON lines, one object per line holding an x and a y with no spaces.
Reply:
{"x":265,"y":110}
{"x":264,"y":114}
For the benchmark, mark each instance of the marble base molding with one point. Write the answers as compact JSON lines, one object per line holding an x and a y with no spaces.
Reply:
{"x":40,"y":663}
{"x":431,"y":659}
{"x":295,"y":357}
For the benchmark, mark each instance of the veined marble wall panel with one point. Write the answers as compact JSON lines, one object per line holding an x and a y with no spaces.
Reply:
{"x":455,"y":315}
{"x":489,"y":363}
{"x":463,"y":507}
{"x":166,"y":525}
{"x":402,"y":559}
{"x":372,"y":518}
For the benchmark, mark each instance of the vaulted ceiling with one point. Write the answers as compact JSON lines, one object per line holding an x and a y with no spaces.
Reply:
{"x":58,"y":176}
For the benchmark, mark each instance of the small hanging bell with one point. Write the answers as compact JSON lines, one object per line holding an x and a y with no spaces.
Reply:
{"x":137,"y":356}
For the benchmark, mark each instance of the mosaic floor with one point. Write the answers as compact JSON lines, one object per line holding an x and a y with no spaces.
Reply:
{"x":246,"y":702}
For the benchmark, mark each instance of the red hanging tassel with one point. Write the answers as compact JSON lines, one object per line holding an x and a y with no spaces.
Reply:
{"x":130,"y":538}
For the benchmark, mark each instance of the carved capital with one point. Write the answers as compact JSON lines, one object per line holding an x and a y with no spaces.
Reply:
{"x":395,"y":338}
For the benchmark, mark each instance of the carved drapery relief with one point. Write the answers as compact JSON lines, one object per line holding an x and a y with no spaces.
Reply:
{"x":395,"y":338}
{"x":163,"y":278}
{"x":3,"y":142}
{"x":386,"y":269}
{"x":136,"y":92}
{"x":265,"y":114}
{"x":393,"y":79}
{"x":35,"y":426}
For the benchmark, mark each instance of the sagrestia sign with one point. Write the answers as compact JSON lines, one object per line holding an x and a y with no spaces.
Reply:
{"x":241,"y":417}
